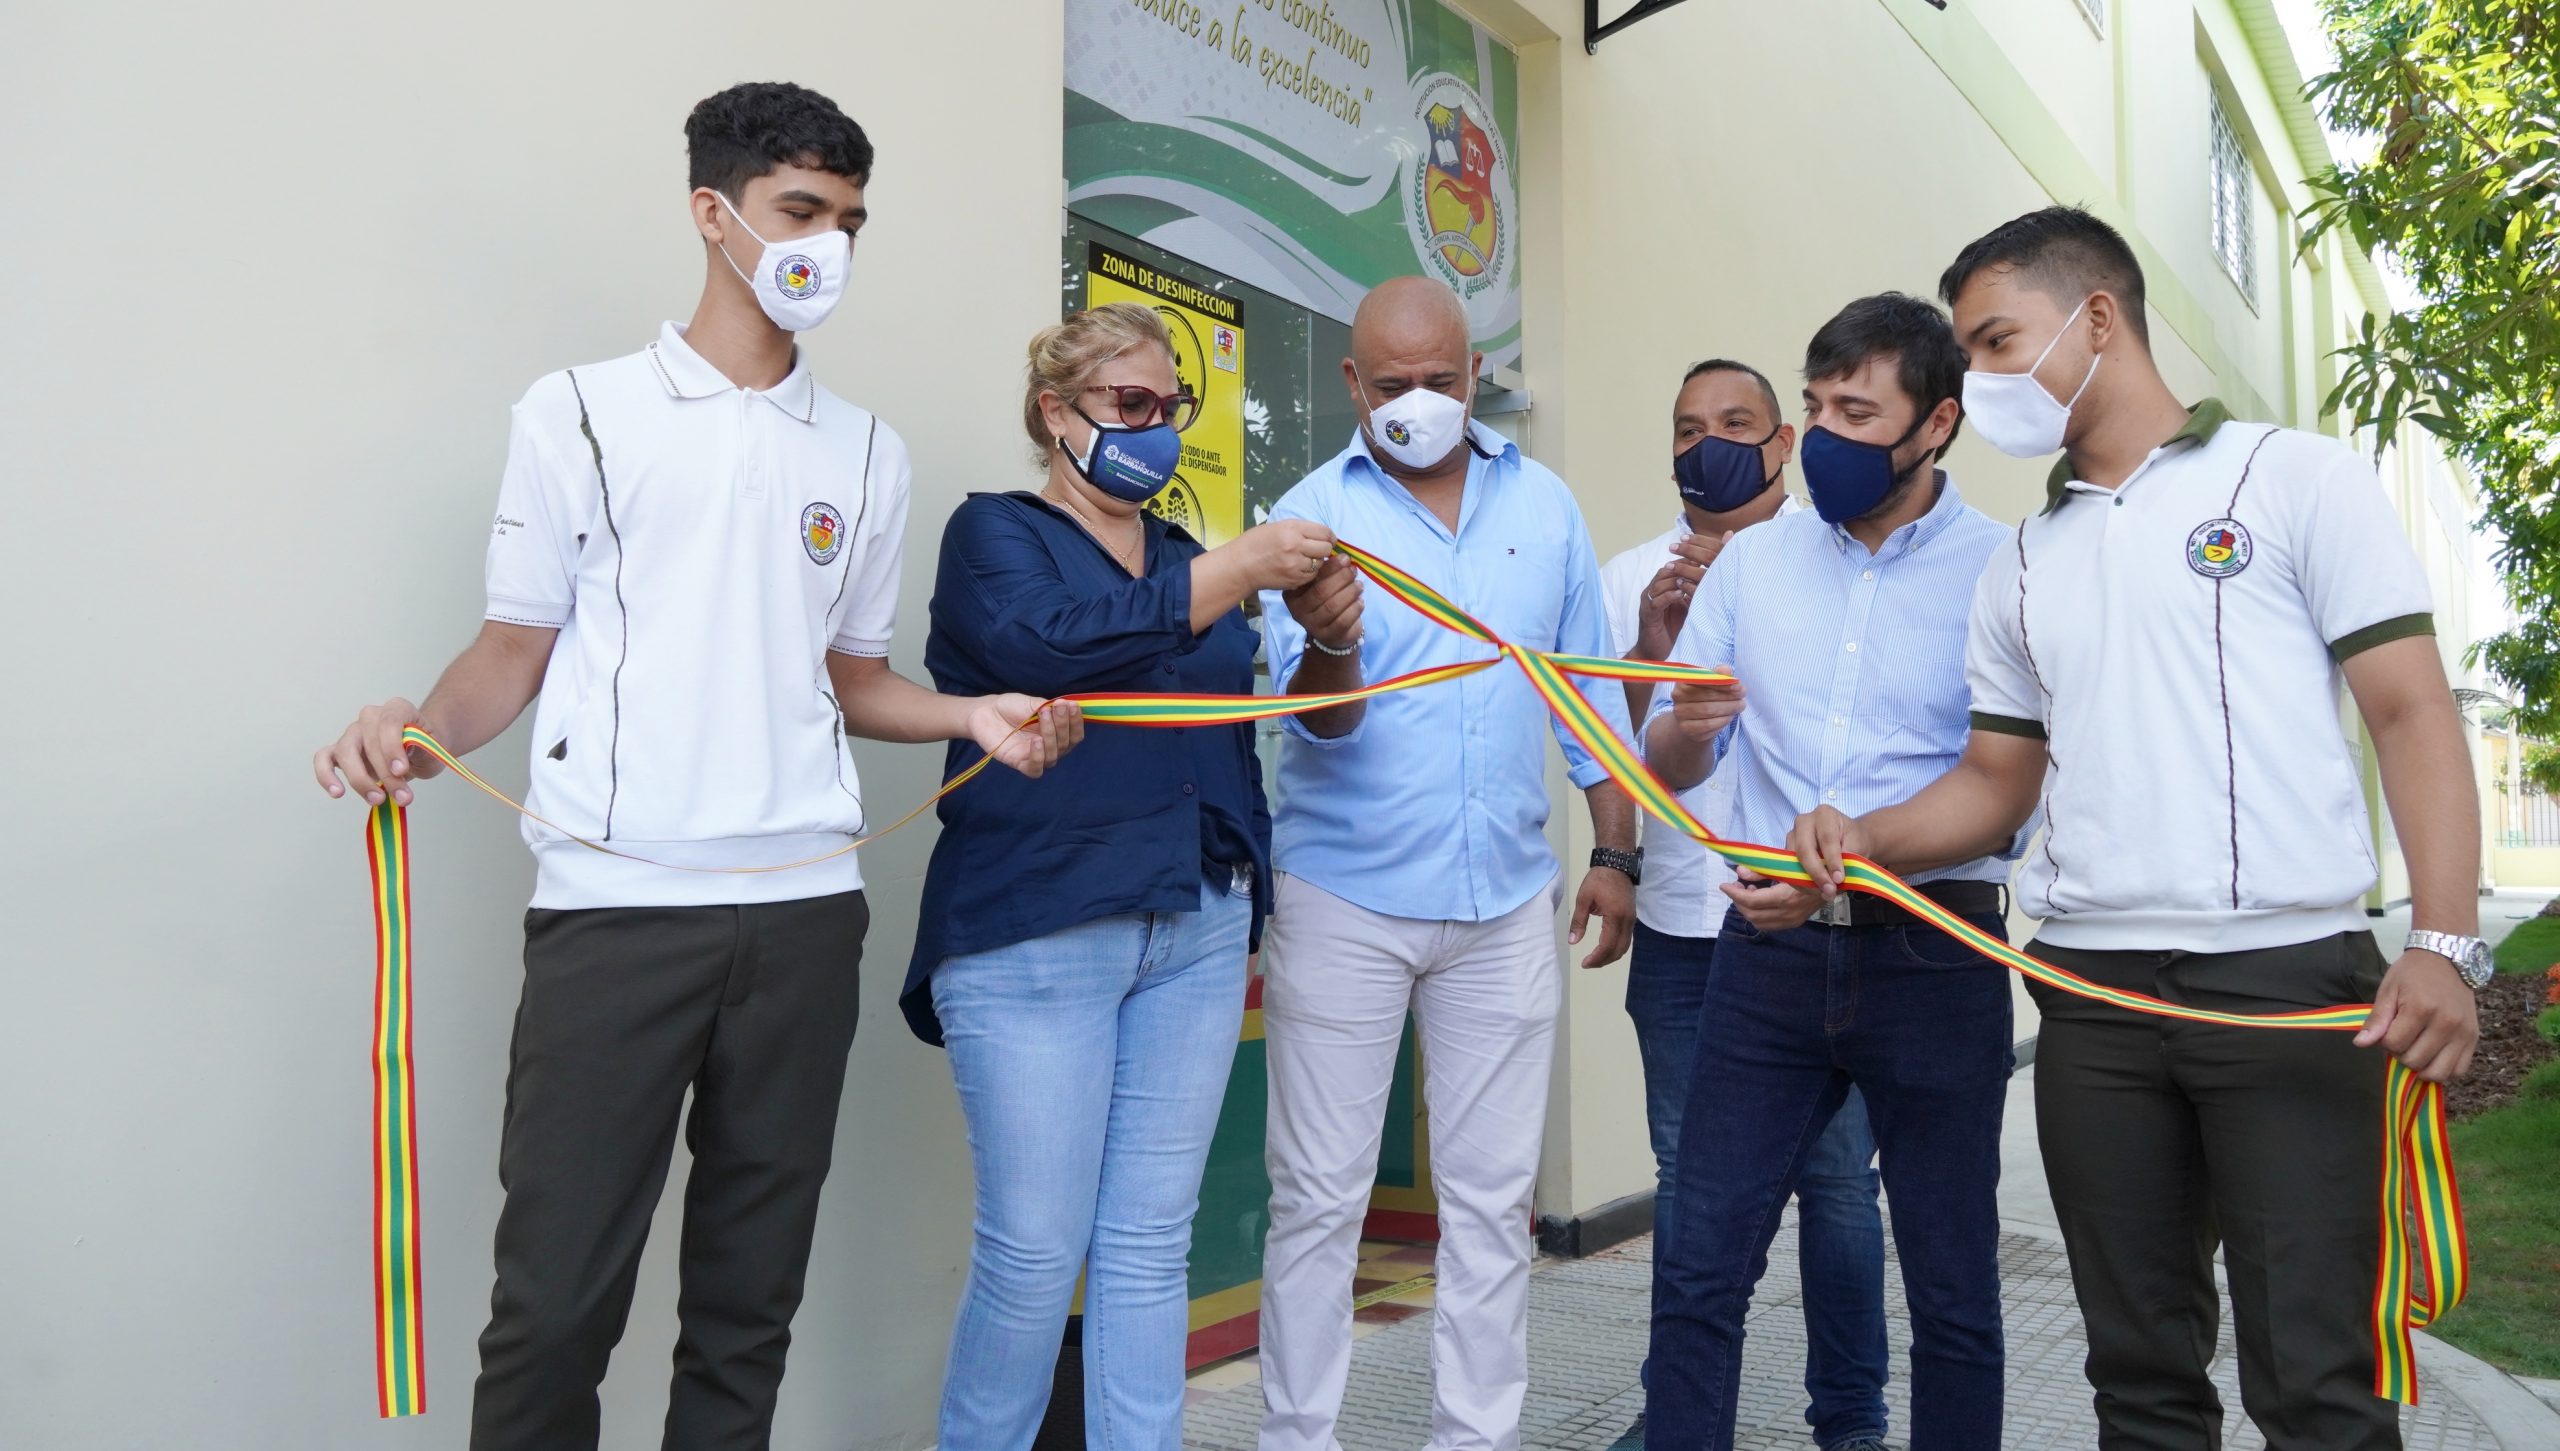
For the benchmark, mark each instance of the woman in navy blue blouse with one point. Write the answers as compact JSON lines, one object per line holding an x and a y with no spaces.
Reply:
{"x":1083,"y":944}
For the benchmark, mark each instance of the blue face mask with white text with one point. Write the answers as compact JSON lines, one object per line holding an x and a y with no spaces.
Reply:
{"x":1720,"y":475}
{"x":1130,"y":464}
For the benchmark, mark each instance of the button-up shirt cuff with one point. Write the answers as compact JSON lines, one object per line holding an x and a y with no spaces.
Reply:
{"x":1298,"y":728}
{"x":1587,"y":774}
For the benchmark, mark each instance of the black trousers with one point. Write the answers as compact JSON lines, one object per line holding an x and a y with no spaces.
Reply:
{"x":2163,"y":1139}
{"x":624,"y":1009}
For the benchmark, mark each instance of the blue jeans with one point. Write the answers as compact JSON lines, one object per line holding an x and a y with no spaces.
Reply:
{"x":1791,"y":1022}
{"x":1839,"y":1230}
{"x":1091,"y":1065}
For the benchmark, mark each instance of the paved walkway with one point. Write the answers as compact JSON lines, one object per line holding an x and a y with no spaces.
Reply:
{"x":1588,"y":1323}
{"x":1587,"y":1326}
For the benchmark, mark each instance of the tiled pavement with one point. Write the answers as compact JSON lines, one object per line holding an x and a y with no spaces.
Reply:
{"x":1587,"y":1324}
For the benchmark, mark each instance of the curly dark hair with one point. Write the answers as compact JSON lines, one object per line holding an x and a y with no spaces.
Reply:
{"x":749,"y":130}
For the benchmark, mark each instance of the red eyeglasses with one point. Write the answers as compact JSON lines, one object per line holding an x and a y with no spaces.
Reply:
{"x":1142,"y":407}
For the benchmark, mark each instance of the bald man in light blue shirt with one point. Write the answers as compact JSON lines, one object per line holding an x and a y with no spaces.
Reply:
{"x":1414,"y":873}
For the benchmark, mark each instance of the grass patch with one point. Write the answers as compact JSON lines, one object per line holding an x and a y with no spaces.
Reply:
{"x":2543,"y":1082}
{"x":2511,"y":1202}
{"x":2532,"y":947}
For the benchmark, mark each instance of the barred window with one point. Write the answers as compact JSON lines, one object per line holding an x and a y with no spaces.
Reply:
{"x":2096,"y":10}
{"x":2235,"y":205}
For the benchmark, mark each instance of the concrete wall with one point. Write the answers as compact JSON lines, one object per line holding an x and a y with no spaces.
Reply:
{"x":2526,"y":867}
{"x":285,"y":268}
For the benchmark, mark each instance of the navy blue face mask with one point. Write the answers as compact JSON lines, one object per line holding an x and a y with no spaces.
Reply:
{"x":1847,"y":478}
{"x":1719,"y":474}
{"x":1130,"y":464}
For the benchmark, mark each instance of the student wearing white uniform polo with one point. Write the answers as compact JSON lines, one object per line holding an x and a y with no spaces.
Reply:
{"x":2158,"y":654}
{"x":695,"y":562}
{"x":1729,"y":456}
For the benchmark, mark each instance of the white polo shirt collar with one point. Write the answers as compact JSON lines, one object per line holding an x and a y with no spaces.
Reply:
{"x":2203,"y":422}
{"x":687,"y":374}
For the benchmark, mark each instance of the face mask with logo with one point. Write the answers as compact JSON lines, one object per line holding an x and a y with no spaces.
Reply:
{"x":1846,"y":478}
{"x":1719,"y":474}
{"x":2014,"y":412}
{"x":1418,"y":427}
{"x":1130,"y":464}
{"x":798,"y":281}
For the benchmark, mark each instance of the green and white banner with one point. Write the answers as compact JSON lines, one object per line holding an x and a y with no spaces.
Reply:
{"x":1311,"y":148}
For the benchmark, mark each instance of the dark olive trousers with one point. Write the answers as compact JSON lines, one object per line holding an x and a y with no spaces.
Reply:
{"x":625,"y":1009}
{"x":2165,"y":1139}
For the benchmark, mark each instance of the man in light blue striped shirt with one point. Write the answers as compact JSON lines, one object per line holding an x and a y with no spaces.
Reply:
{"x":1847,"y":626}
{"x":1409,"y":838}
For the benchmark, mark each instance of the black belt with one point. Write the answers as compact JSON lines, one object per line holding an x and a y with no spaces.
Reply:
{"x":1965,"y":899}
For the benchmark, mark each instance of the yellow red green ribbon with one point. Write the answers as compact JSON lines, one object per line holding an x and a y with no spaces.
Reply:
{"x":400,"y":1365}
{"x":2424,"y":1263}
{"x":2421,"y":1205}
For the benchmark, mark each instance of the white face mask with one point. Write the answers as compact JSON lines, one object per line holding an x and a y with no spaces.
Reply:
{"x":2013,"y":411}
{"x":799,"y":281}
{"x":1418,"y":427}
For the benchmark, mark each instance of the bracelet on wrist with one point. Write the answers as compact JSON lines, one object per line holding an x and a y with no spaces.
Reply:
{"x":1346,"y":652}
{"x":1629,"y":862}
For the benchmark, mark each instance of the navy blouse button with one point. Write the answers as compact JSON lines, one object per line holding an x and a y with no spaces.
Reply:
{"x":1187,"y":788}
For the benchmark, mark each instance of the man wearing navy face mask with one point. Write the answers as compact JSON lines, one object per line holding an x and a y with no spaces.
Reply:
{"x":1730,"y":451}
{"x":1849,"y":625}
{"x":2180,"y":544}
{"x":1414,"y":874}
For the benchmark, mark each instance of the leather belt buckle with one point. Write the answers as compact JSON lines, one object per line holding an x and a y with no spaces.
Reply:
{"x":1834,"y":913}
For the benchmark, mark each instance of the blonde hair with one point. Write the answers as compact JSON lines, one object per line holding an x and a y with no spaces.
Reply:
{"x":1064,"y":358}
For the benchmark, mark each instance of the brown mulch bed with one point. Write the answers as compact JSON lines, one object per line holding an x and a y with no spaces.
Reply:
{"x":2509,"y":1046}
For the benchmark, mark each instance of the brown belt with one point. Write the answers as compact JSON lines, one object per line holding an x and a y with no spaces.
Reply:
{"x":1965,"y":899}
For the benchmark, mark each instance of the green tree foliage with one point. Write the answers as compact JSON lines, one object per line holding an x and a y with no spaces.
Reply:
{"x":2463,"y":193}
{"x":2541,"y":767}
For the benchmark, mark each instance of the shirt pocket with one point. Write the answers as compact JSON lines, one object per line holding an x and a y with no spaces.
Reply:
{"x":1919,"y":683}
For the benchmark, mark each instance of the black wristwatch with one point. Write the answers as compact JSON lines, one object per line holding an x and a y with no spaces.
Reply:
{"x":1629,"y":862}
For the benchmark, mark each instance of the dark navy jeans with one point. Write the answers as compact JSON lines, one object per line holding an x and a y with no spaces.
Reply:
{"x":1839,"y":1230}
{"x":1790,"y":1022}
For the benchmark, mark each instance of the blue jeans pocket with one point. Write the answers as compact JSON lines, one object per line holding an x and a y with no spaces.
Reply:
{"x":1932,"y":948}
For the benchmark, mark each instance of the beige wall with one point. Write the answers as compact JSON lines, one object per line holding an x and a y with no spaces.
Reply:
{"x":289,"y":266}
{"x":2527,"y":867}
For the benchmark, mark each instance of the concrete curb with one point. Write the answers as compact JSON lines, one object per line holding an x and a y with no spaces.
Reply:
{"x":2516,"y":1416}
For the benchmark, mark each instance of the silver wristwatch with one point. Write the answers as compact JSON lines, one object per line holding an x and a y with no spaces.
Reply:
{"x":2469,"y":955}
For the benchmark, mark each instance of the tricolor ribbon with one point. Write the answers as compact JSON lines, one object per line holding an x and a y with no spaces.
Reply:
{"x":2424,"y":1260}
{"x":400,"y":1365}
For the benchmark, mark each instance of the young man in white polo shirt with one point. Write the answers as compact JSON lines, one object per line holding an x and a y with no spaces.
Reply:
{"x":2157,"y":656}
{"x":695,"y":564}
{"x":1730,"y":447}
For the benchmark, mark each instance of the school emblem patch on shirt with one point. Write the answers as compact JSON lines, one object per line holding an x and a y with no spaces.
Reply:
{"x":822,"y":533}
{"x":796,"y":277}
{"x":2219,"y":548}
